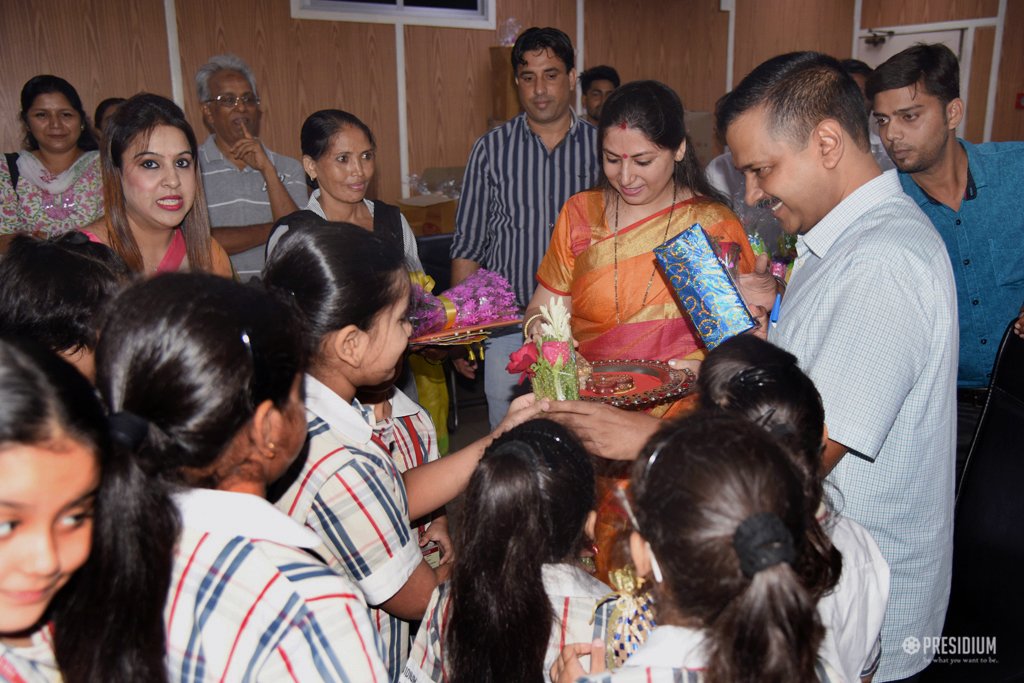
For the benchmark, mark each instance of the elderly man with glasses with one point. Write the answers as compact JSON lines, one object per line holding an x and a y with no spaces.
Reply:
{"x":248,"y":187}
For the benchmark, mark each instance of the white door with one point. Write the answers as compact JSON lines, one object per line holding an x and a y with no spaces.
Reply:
{"x":873,"y":53}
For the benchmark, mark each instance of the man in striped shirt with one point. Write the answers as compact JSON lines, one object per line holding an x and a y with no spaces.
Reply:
{"x":517,"y":178}
{"x":247,"y":186}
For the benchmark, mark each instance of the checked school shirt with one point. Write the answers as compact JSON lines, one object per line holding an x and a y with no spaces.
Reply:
{"x":351,"y":494}
{"x":32,"y":663}
{"x":246,"y":603}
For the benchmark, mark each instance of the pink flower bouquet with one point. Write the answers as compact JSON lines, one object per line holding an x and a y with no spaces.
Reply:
{"x":482,"y":298}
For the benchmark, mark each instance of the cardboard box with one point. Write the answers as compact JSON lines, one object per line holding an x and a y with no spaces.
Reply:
{"x":429,"y":214}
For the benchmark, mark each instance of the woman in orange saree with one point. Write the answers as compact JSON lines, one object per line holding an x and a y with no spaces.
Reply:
{"x":600,"y":261}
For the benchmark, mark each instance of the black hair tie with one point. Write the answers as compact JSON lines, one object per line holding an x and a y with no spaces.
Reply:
{"x":763,"y":541}
{"x":76,"y":238}
{"x":128,"y":429}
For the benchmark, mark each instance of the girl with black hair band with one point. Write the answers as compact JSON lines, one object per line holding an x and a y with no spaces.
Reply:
{"x":53,"y":185}
{"x":156,"y":217}
{"x":353,"y":290}
{"x":756,"y":380}
{"x":720,"y":529}
{"x":529,"y":511}
{"x":203,"y":380}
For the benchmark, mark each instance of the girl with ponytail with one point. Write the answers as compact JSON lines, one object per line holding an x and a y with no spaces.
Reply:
{"x":202,"y":378}
{"x":516,"y":595}
{"x":720,"y":528}
{"x":352,"y":288}
{"x":83,"y":540}
{"x":760,"y":382}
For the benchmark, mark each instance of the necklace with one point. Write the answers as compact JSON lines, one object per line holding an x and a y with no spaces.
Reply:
{"x":615,"y":252}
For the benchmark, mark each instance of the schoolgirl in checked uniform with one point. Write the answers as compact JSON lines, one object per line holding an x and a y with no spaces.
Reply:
{"x":515,"y":578}
{"x":213,"y":411}
{"x":353,"y":290}
{"x":166,"y":560}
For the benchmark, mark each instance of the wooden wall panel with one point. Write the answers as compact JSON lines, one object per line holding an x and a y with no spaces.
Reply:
{"x":1008,"y":123}
{"x":977,"y":96}
{"x":448,"y":80}
{"x":104,"y":49}
{"x":875,"y":13}
{"x":765,"y":29}
{"x":300,"y":67}
{"x":683,"y":44}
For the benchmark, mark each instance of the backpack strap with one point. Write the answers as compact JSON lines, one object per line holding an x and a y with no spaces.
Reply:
{"x":12,"y":168}
{"x":387,"y":222}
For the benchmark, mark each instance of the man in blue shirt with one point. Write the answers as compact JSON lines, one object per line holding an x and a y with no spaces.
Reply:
{"x":971,"y":193}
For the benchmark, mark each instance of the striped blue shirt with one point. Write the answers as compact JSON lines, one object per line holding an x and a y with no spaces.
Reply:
{"x":512,"y":192}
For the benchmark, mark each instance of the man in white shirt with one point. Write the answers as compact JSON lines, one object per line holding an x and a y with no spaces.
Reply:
{"x":870,"y":313}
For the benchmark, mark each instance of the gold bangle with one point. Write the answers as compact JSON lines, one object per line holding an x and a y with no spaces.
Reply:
{"x":530,"y":321}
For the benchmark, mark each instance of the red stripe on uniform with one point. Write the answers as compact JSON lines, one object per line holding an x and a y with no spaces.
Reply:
{"x":339,"y":596}
{"x":287,"y":664}
{"x":565,"y":624}
{"x":376,"y":440}
{"x":238,"y":636}
{"x":442,"y":628}
{"x":368,"y":516}
{"x":8,"y":673}
{"x":362,"y":643}
{"x":411,"y":428}
{"x":181,"y":583}
{"x":305,"y":480}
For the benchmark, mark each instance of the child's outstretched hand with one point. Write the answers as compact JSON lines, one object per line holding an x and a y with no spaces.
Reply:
{"x":522,"y":409}
{"x":438,"y":532}
{"x":567,"y":667}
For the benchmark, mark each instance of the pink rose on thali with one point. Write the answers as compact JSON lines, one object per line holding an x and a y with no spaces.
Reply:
{"x":522,"y":360}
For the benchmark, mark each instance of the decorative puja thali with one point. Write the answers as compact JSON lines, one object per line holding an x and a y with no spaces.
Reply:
{"x":636,"y":384}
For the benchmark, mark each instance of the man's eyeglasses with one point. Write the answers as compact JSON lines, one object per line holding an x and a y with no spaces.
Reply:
{"x":232,"y":101}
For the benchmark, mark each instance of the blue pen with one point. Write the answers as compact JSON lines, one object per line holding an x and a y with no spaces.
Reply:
{"x":773,"y":319}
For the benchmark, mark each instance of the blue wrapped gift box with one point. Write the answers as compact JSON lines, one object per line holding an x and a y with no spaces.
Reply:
{"x":703,"y":286}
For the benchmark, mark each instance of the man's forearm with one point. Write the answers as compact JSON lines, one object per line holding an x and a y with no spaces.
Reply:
{"x":238,"y":238}
{"x":281,"y":203}
{"x":463,"y":268}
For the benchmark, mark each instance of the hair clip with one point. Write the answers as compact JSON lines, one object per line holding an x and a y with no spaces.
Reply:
{"x":620,"y":495}
{"x":128,"y":429}
{"x":247,"y":341}
{"x":650,"y":461}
